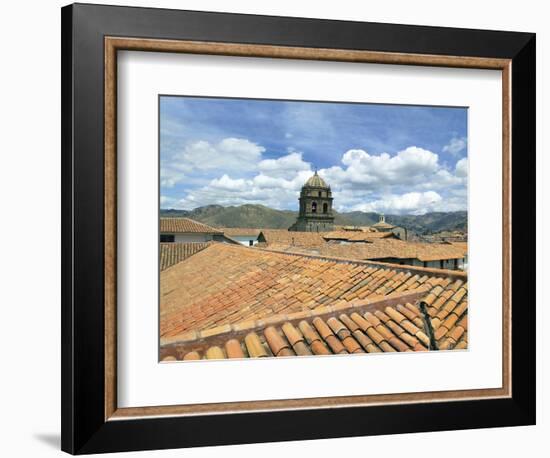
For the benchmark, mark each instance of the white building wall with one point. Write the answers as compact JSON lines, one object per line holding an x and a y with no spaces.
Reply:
{"x":246,"y":239}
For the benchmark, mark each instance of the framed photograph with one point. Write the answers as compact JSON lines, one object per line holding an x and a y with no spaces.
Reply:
{"x":272,"y":221}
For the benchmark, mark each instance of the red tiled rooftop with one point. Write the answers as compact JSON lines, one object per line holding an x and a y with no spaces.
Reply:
{"x":172,"y":253}
{"x":378,"y":249}
{"x":240,"y":231}
{"x":185,"y":225}
{"x":356,"y":236}
{"x":393,"y":323}
{"x":276,"y":236}
{"x":229,"y":285}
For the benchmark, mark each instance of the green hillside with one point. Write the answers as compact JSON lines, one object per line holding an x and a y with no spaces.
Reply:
{"x":259,"y":216}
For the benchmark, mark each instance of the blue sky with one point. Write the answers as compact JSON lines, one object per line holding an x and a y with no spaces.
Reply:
{"x":386,"y":158}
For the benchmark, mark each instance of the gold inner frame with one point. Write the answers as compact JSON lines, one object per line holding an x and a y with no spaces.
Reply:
{"x":114,"y":44}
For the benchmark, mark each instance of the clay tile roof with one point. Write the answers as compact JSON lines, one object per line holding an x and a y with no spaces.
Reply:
{"x":240,"y":231}
{"x":376,"y":248}
{"x":387,"y":324}
{"x":239,"y":284}
{"x":248,"y":302}
{"x":460,"y":245}
{"x":356,"y":236}
{"x":172,"y":253}
{"x":186,"y":225}
{"x":284,"y":237}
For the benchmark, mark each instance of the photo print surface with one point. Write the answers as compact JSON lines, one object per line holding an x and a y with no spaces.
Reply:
{"x":304,"y":228}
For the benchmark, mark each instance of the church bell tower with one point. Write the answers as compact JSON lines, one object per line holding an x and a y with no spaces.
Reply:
{"x":315,"y":213}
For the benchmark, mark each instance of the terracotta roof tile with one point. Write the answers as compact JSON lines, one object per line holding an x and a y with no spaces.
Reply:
{"x":384,"y":332}
{"x":319,"y":348}
{"x":240,"y":231}
{"x":301,"y":348}
{"x":351,"y":345}
{"x":338,"y":328}
{"x":254,"y":346}
{"x":292,"y":334}
{"x":462,"y":345}
{"x":371,"y":248}
{"x":366,"y":342}
{"x":327,"y":333}
{"x":356,"y":236}
{"x":386,"y":347}
{"x":349,"y":323}
{"x":233,"y":349}
{"x":375,"y":335}
{"x":172,"y":253}
{"x":398,"y":344}
{"x":215,"y":353}
{"x":322,"y":328}
{"x":409,"y":327}
{"x":284,"y":237}
{"x":335,"y":344}
{"x":309,"y":333}
{"x":276,"y":342}
{"x":361,"y":322}
{"x":185,"y":225}
{"x":423,"y":338}
{"x":192,"y":355}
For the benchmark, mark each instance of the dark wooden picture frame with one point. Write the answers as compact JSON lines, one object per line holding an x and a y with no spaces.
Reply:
{"x":91,"y":37}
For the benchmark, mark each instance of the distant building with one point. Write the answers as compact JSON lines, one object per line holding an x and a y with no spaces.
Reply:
{"x":185,"y":230}
{"x":446,"y":236}
{"x":383,"y":226}
{"x":315,"y":214}
{"x":244,"y":235}
{"x":392,"y":250}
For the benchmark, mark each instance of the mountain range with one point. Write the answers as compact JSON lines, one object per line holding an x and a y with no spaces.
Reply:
{"x":259,"y":216}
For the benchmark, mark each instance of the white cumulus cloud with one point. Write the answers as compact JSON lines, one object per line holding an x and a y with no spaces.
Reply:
{"x":455,"y":145}
{"x":284,"y":166}
{"x":228,"y":154}
{"x":461,"y":168}
{"x":409,"y":203}
{"x":412,"y":181}
{"x":410,"y":167}
{"x":228,"y":184}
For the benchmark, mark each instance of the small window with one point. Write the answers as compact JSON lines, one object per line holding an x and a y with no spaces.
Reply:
{"x":320,"y":193}
{"x":313,"y":207}
{"x":167,"y":238}
{"x":325,"y":207}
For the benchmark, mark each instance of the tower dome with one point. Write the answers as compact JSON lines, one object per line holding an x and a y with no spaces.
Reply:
{"x":316,"y":181}
{"x":315,"y":214}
